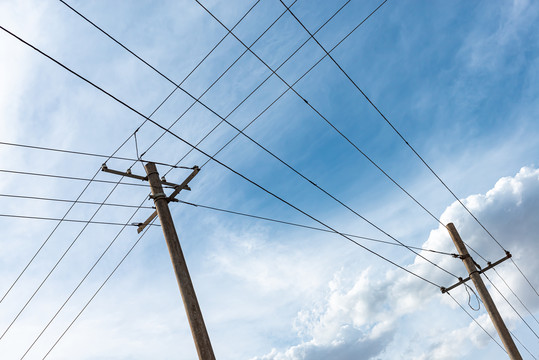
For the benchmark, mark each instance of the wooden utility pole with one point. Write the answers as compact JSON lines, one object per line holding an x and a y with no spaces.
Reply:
{"x":198,"y":328}
{"x":497,"y":320}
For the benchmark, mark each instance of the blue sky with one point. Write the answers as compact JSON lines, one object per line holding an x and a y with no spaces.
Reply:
{"x":457,"y":79}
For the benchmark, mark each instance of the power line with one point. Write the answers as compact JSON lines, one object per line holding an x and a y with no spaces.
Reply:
{"x":281,"y":160}
{"x":323,"y":117}
{"x":89,"y":154}
{"x":389,"y":123}
{"x":134,"y":134}
{"x":68,"y":177}
{"x":97,"y":291}
{"x":217,"y":161}
{"x":518,"y":298}
{"x":216,"y":81}
{"x":57,"y":226}
{"x":312,"y":227}
{"x":525,"y":277}
{"x":64,"y":220}
{"x":111,"y":156}
{"x":209,"y":208}
{"x":73,"y":201}
{"x":511,"y":305}
{"x":176,"y":86}
{"x":230,"y":124}
{"x":58,"y":262}
{"x":258,"y":87}
{"x":85,"y":277}
{"x":471,"y":317}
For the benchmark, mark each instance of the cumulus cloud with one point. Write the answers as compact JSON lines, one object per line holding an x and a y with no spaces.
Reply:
{"x":361,"y":316}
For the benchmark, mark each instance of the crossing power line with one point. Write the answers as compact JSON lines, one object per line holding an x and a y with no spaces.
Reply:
{"x":213,"y":208}
{"x":234,"y":127}
{"x":218,"y":161}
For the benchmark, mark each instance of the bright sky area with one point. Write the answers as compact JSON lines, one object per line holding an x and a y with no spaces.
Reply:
{"x":323,"y":143}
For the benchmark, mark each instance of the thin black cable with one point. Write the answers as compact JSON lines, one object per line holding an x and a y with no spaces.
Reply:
{"x":98,"y":290}
{"x":56,"y":227}
{"x":146,"y":118}
{"x":136,"y":143}
{"x":257,"y":88}
{"x":268,"y":151}
{"x":219,"y":210}
{"x":290,"y":87}
{"x":525,"y":277}
{"x":511,"y":305}
{"x":89,"y":154}
{"x":176,"y":86}
{"x":68,"y":177}
{"x":85,"y":276}
{"x":520,"y":342}
{"x":390,"y":124}
{"x":470,"y":315}
{"x":515,"y":337}
{"x":108,"y":158}
{"x":72,"y":201}
{"x":466,"y":286}
{"x":518,"y":298}
{"x":211,"y":85}
{"x":230,"y":124}
{"x":64,"y":220}
{"x":112,"y":156}
{"x":59,"y":260}
{"x":310,"y":227}
{"x":208,"y":155}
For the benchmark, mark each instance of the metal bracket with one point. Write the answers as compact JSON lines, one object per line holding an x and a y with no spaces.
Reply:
{"x":177,"y":188}
{"x":171,"y":198}
{"x":490,"y":266}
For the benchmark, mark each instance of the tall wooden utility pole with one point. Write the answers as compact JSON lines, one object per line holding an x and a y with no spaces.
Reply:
{"x":497,"y":320}
{"x":198,"y":328}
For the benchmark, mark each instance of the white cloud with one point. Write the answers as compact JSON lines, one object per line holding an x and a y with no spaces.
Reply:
{"x":360,"y":317}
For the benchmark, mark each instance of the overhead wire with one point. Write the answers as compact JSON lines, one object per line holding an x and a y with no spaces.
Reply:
{"x":90,"y":180}
{"x":78,"y":178}
{"x":257,"y":87}
{"x":98,"y":290}
{"x":213,"y":84}
{"x":64,"y":220}
{"x":475,"y":320}
{"x":288,"y":8}
{"x":357,"y":148}
{"x":511,"y":305}
{"x":147,"y":118}
{"x":214,"y":159}
{"x":57,"y":262}
{"x":72,"y":201}
{"x":85,"y":277}
{"x":21,"y":273}
{"x":88,"y":154}
{"x":176,"y":86}
{"x":516,"y":296}
{"x":214,"y":209}
{"x":389,"y":123}
{"x":230,"y":124}
{"x":525,"y":277}
{"x":311,"y":227}
{"x":134,"y":134}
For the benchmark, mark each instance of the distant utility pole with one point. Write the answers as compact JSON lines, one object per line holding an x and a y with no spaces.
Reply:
{"x":474,"y":272}
{"x":190,"y":302}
